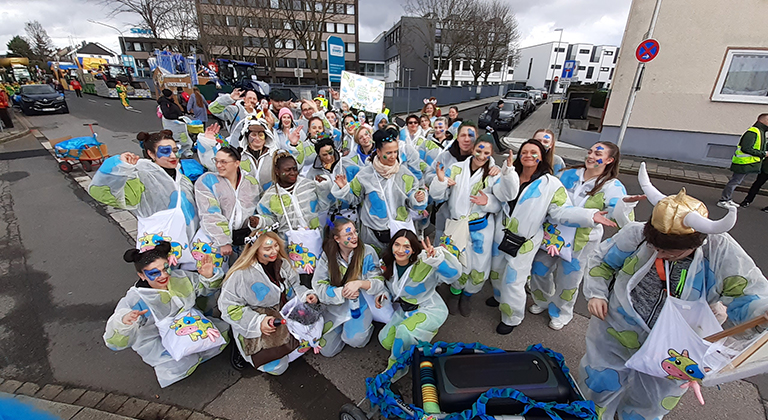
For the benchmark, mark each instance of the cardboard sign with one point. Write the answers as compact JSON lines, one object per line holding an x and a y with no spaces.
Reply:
{"x":361,"y":92}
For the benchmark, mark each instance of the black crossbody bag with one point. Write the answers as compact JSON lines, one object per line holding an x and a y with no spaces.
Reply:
{"x":511,"y":243}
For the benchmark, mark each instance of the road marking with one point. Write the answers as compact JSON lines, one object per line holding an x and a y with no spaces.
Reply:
{"x":134,"y":110}
{"x":91,"y":100}
{"x":106,"y":104}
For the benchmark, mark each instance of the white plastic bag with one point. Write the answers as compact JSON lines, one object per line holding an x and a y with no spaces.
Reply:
{"x":188,"y":332}
{"x":456,"y":238}
{"x":559,"y":236}
{"x":308,"y":335}
{"x":305,"y":246}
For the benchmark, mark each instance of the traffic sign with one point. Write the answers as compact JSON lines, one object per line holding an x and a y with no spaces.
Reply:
{"x":335,"y":60}
{"x":569,"y":67}
{"x":647,"y":50}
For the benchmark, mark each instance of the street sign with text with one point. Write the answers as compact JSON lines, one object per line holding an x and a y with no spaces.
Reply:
{"x":335,"y":60}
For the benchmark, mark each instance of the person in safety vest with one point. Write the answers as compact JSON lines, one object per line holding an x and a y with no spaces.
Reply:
{"x":746,"y":159}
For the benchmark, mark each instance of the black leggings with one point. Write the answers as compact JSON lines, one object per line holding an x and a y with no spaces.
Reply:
{"x":755,"y":188}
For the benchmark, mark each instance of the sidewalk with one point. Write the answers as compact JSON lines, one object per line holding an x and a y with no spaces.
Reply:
{"x":19,"y":129}
{"x":462,"y":106}
{"x":708,"y":176}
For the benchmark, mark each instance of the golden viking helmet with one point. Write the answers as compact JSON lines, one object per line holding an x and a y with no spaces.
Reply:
{"x":681,"y":214}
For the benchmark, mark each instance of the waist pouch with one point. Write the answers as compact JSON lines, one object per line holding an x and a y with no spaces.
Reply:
{"x":238,"y":236}
{"x":405,"y":306}
{"x":478,"y":224}
{"x":511,"y":243}
{"x":381,"y":235}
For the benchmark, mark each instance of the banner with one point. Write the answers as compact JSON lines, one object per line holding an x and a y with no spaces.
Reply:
{"x":362,"y":93}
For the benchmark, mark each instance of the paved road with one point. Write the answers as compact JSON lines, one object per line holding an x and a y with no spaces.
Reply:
{"x":61,"y":267}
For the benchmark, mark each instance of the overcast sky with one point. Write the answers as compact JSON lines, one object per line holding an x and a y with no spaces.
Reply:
{"x":583,"y":21}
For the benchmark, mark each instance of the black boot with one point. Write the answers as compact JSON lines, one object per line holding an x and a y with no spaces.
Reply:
{"x":453,"y":304}
{"x":465,"y":307}
{"x":744,"y":204}
{"x":504,"y":329}
{"x":237,"y":360}
{"x":492,"y":302}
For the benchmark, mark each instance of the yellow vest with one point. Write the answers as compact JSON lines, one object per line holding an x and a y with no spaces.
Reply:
{"x":741,"y":158}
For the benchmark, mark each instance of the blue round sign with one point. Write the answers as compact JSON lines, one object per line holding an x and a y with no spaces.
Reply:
{"x":647,"y":50}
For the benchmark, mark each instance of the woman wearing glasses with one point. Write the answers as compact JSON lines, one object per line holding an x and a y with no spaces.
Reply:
{"x":387,"y":190}
{"x":155,"y":190}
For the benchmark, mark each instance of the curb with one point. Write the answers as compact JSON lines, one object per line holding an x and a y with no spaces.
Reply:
{"x":82,"y":404}
{"x":20,"y":134}
{"x":702,"y":182}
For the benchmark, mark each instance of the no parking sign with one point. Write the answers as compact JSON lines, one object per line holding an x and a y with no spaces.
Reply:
{"x":647,"y":50}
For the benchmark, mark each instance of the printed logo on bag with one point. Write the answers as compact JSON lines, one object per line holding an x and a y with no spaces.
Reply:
{"x":150,"y":240}
{"x":195,"y":327}
{"x":448,"y":243}
{"x":201,"y":249}
{"x":681,"y":366}
{"x":300,"y":256}
{"x":552,"y":237}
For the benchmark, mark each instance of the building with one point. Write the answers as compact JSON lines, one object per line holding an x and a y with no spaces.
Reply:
{"x":707,"y":85}
{"x":539,"y":64}
{"x":277,"y":34}
{"x":406,"y":52}
{"x":143,"y":48}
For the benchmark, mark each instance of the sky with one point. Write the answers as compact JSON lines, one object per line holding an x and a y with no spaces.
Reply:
{"x":583,"y":21}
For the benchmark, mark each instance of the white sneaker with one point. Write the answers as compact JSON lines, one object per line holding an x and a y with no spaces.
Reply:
{"x":556,"y":324}
{"x":536,"y":309}
{"x":724,"y":204}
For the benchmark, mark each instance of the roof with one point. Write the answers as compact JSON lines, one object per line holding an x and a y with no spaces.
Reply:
{"x":94,"y":48}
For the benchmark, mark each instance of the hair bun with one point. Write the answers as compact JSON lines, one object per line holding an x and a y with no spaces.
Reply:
{"x":163,"y":247}
{"x":131,"y":255}
{"x":142,"y":136}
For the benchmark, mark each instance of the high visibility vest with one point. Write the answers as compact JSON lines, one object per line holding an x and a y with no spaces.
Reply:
{"x":741,"y":158}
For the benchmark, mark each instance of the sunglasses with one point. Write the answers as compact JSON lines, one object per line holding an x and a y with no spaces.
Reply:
{"x":413,"y":122}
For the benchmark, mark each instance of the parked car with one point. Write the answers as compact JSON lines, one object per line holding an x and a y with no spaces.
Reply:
{"x":509,"y":115}
{"x":538,"y":96}
{"x":41,"y":98}
{"x":524,"y":99}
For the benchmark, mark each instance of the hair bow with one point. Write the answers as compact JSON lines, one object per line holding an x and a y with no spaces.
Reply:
{"x":250,"y":240}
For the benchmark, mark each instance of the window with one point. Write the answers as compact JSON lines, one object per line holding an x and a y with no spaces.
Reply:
{"x":604,"y":69}
{"x":289,"y":45}
{"x":555,"y":66}
{"x":350,"y":28}
{"x":582,"y":68}
{"x":340,"y":8}
{"x":496,"y":67}
{"x":583,"y":51}
{"x":350,"y":9}
{"x":438,"y":35}
{"x":137,"y":46}
{"x":559,"y":50}
{"x":322,"y":46}
{"x":340,"y":28}
{"x":302,"y":63}
{"x":608,"y":53}
{"x":330,"y":27}
{"x":590,"y":72}
{"x":610,"y":76}
{"x":743,"y":77}
{"x":380,"y":68}
{"x":290,"y":63}
{"x":280,"y":62}
{"x":351,"y":47}
{"x":593,"y":58}
{"x":275,"y":4}
{"x":279,"y":43}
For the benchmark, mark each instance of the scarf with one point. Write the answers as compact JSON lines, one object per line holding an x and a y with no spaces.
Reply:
{"x":385,"y":171}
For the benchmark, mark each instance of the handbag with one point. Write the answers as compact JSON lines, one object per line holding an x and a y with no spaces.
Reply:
{"x":188,"y":332}
{"x":268,"y":348}
{"x":559,"y":236}
{"x":305,"y":246}
{"x":511,"y":243}
{"x":456,"y":238}
{"x":166,"y":225}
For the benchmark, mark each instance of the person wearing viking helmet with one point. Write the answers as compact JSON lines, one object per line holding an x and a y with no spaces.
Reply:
{"x":625,"y":285}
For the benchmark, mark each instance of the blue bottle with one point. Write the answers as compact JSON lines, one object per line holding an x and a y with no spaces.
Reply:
{"x":354,"y":307}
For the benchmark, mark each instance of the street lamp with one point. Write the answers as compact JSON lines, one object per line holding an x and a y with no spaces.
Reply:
{"x":554,"y":66}
{"x":122,"y":37}
{"x":410,"y":71}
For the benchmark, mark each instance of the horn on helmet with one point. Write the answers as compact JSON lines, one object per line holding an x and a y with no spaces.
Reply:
{"x":702,"y":224}
{"x":654,"y":195}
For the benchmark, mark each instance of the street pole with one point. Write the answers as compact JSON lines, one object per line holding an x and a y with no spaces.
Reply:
{"x":408,"y":107}
{"x":122,"y":45}
{"x":554,"y":66}
{"x":636,"y":81}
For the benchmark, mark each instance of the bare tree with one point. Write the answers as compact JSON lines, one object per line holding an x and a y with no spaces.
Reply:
{"x":275,"y":36}
{"x":223,"y":29}
{"x":307,"y":21}
{"x":153,"y":13}
{"x":493,"y":35}
{"x":181,"y":27}
{"x":42,"y":47}
{"x":443,"y":34}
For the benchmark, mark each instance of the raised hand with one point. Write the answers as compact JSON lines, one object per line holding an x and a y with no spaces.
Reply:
{"x":129,"y":158}
{"x":510,"y":159}
{"x":495,"y":170}
{"x":133,"y":316}
{"x":266,"y":327}
{"x":226,"y":250}
{"x":335,"y":94}
{"x":599,"y":217}
{"x":451,"y":182}
{"x":294,"y":136}
{"x":420,"y":196}
{"x":341,"y":181}
{"x":212,"y":130}
{"x":206,"y":268}
{"x":311,"y":298}
{"x":428,"y":248}
{"x":236,"y":93}
{"x":480,"y":199}
{"x":269,"y":118}
{"x":440,"y":171}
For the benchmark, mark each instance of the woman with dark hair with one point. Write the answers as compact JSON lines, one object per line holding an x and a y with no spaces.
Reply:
{"x":387,"y":190}
{"x":155,"y":190}
{"x":594,"y":185}
{"x":348,"y":128}
{"x":434,"y":141}
{"x":412,"y":270}
{"x":347,"y":270}
{"x":468,"y":195}
{"x":547,"y":138}
{"x":541,"y":195}
{"x":679,"y":257}
{"x":160,"y":292}
{"x":198,"y":106}
{"x":301,"y":145}
{"x":226,"y":200}
{"x":327,"y":166}
{"x":254,"y":291}
{"x":171,"y":113}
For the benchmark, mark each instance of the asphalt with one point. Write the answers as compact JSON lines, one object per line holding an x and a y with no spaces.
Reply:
{"x":62,"y":271}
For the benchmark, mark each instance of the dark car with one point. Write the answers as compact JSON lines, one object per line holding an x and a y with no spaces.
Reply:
{"x":41,"y":98}
{"x":509,"y":115}
{"x":524,"y":99}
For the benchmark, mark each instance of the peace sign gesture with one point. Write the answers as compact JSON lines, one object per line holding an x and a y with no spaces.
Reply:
{"x":428,"y":248}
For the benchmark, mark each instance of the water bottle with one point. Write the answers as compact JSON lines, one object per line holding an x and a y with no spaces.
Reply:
{"x":354,"y":307}
{"x":274,"y":322}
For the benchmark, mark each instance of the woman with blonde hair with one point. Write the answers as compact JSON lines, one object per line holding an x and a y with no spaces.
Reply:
{"x":254,"y":291}
{"x":197,"y":106}
{"x":547,"y":138}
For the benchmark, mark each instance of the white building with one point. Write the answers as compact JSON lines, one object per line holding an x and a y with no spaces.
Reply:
{"x":539,"y":64}
{"x":502,"y":73}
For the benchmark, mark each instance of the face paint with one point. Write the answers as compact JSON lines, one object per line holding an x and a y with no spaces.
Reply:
{"x":407,"y":251}
{"x":283,"y":174}
{"x":482,"y":146}
{"x":471,"y":133}
{"x":164,"y":151}
{"x":477,"y":155}
{"x":547,"y":136}
{"x":266,"y":256}
{"x":349,"y":229}
{"x":346,"y":243}
{"x":535,"y":156}
{"x":154,"y":273}
{"x":599,"y":148}
{"x":269,"y":242}
{"x":600,"y":161}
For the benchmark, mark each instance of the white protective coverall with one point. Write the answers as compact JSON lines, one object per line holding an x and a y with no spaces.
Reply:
{"x":555,"y":281}
{"x":305,"y":195}
{"x":224,"y":209}
{"x":340,"y":326}
{"x":143,"y":337}
{"x":479,"y":247}
{"x":720,"y":268}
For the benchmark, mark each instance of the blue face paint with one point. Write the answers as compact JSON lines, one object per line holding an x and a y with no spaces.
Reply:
{"x":471,"y":133}
{"x":547,"y":136}
{"x":349,"y":229}
{"x":482,"y":146}
{"x":600,"y":161}
{"x":164,"y":151}
{"x":154,"y":273}
{"x":407,"y":251}
{"x":599,"y":148}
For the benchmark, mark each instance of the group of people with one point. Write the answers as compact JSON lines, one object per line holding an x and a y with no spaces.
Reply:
{"x":308,"y":203}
